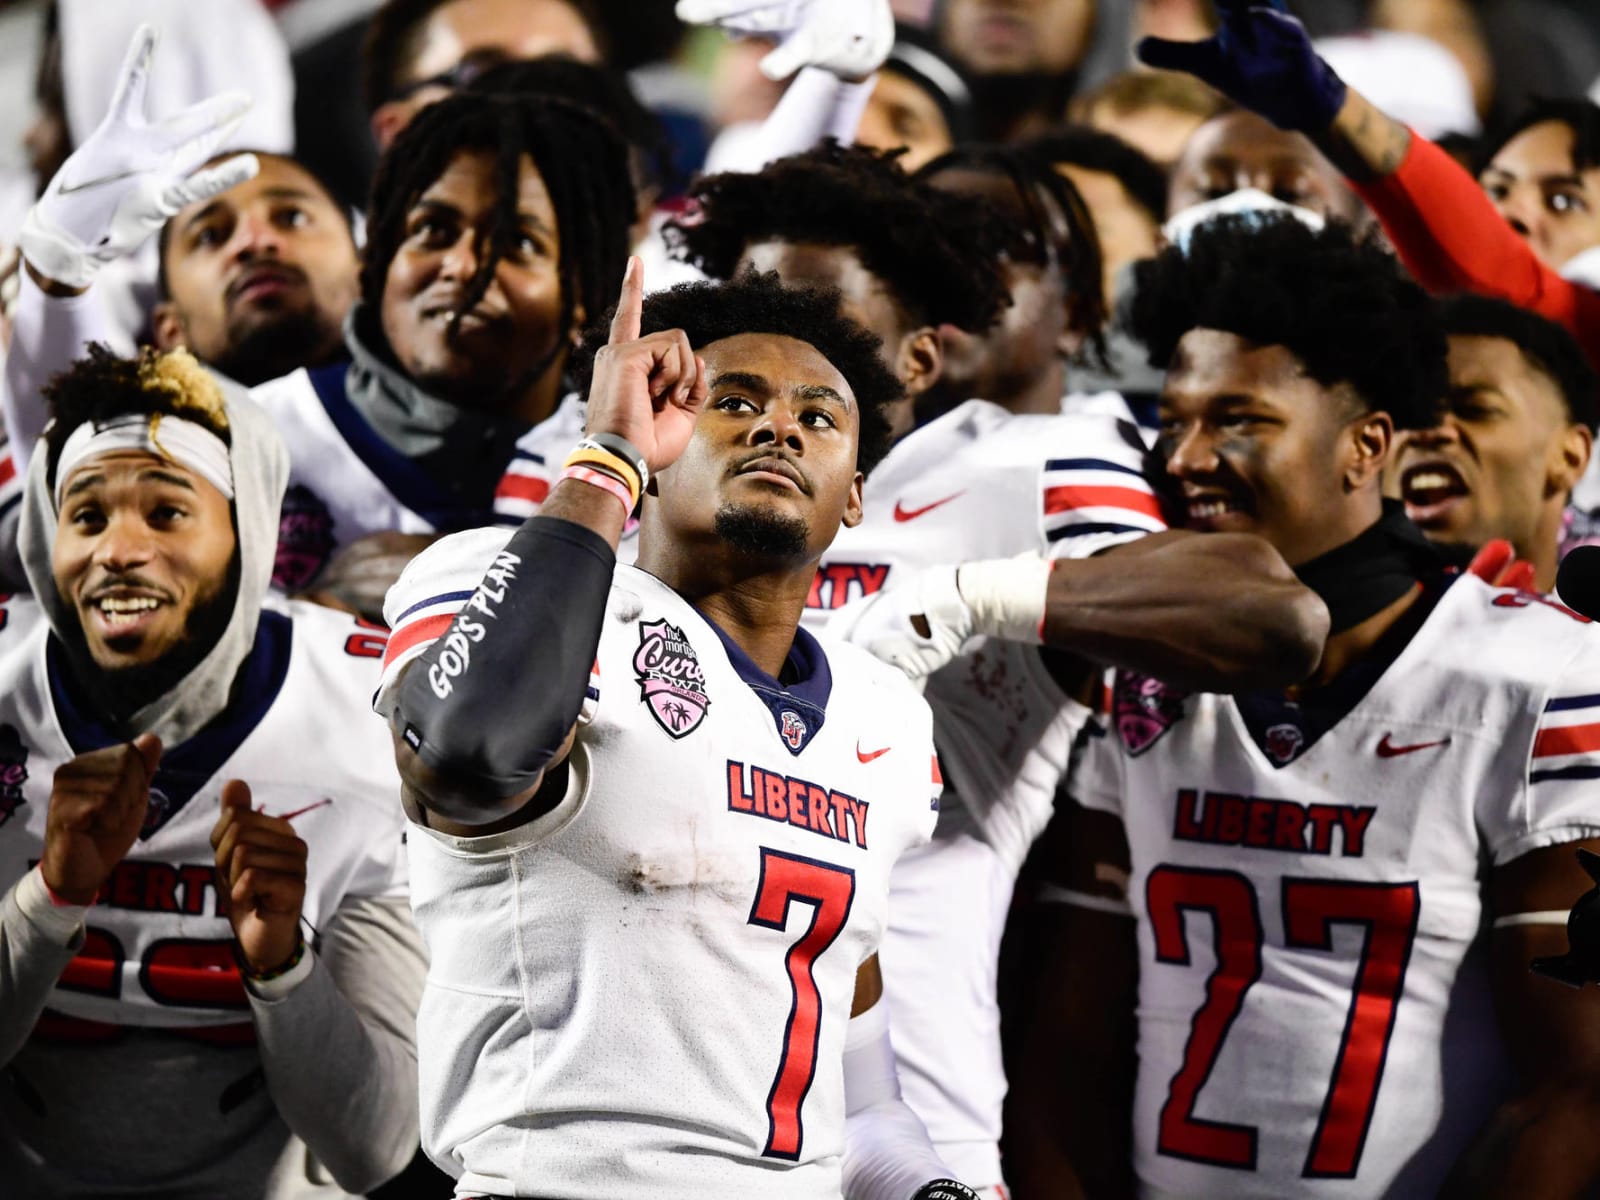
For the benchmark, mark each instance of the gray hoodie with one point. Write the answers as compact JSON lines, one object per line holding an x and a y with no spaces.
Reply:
{"x":260,"y":474}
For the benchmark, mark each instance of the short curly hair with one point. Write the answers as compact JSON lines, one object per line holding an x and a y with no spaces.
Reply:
{"x":937,"y":253}
{"x":759,"y":302}
{"x":1547,"y":347}
{"x":102,"y":385}
{"x":1339,"y":303}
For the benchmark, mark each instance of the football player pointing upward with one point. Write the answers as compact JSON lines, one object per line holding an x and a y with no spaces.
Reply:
{"x":651,"y":869}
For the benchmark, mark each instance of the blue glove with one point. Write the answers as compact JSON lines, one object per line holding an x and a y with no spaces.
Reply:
{"x":1263,"y":59}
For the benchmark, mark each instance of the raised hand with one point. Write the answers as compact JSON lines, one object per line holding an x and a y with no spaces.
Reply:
{"x":261,"y":868}
{"x":649,"y":390}
{"x":850,"y":38}
{"x":98,"y":803}
{"x":774,"y":18}
{"x":129,"y":176}
{"x":1261,"y":58}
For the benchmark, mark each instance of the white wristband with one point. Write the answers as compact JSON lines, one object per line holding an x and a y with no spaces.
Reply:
{"x":1007,"y":597}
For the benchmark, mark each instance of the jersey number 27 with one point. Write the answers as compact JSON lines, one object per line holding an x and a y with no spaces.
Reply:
{"x":1311,"y":908}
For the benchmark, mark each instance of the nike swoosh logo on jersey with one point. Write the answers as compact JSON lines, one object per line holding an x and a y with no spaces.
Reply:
{"x":870,"y":755}
{"x":66,"y":189}
{"x":1387,"y":749}
{"x":911,"y":514}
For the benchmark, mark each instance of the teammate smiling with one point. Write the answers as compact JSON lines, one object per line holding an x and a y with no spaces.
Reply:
{"x":1315,"y":908}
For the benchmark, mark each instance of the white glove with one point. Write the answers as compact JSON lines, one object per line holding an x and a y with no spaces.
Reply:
{"x":849,"y":38}
{"x":765,"y":17}
{"x":130,"y":176}
{"x":885,"y":625}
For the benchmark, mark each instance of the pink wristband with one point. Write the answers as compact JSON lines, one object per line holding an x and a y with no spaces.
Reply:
{"x":607,"y":483}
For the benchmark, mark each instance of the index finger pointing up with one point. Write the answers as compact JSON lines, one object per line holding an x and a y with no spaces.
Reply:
{"x":630,"y":305}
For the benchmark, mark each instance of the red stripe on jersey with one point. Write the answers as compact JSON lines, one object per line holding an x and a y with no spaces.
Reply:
{"x":938,"y":776}
{"x":424,"y":630}
{"x":522,"y":487}
{"x":8,"y":470}
{"x":1566,"y":739}
{"x":1070,"y":496}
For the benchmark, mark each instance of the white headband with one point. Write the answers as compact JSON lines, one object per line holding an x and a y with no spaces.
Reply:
{"x":173,"y":438}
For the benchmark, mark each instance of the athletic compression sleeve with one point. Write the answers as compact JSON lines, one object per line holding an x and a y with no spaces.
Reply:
{"x":491,"y":701}
{"x":1451,"y":237}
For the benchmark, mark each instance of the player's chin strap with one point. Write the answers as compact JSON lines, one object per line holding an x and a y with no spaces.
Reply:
{"x":1371,"y":571}
{"x":887,"y":1154}
{"x":491,"y":701}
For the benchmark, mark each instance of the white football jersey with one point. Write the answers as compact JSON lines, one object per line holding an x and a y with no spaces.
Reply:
{"x":1314,"y":1013}
{"x":979,"y":483}
{"x":158,"y":948}
{"x":644,"y":992}
{"x":345,"y":481}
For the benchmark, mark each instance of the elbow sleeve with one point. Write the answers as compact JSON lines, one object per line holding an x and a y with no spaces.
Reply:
{"x":493,"y":699}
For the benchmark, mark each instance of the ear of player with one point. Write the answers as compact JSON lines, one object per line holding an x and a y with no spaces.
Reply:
{"x":130,"y":175}
{"x":1581,"y":963}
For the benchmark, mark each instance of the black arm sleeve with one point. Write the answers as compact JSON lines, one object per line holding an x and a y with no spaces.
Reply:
{"x":492,"y":700}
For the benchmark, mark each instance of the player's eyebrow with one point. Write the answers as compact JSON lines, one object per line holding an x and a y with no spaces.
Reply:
{"x":818,"y":391}
{"x":747,"y":381}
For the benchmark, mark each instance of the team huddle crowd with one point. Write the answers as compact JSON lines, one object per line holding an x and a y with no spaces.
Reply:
{"x":986,"y":631}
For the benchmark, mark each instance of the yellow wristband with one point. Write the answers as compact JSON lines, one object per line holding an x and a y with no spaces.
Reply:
{"x":612,"y":464}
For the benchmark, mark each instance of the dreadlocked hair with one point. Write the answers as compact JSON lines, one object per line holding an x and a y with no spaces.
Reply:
{"x":938,"y":252}
{"x":390,"y":42}
{"x":1339,"y":303}
{"x":578,"y":154}
{"x":1045,"y":196}
{"x":102,"y":386}
{"x":759,"y":302}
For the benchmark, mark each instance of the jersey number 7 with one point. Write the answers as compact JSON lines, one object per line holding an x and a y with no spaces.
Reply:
{"x":830,"y":891}
{"x":1311,"y":907}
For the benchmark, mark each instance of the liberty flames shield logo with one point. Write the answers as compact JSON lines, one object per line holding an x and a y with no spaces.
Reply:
{"x":671,"y":681}
{"x":1144,"y":709}
{"x":1284,"y":742}
{"x":793,"y":730}
{"x":13,"y":771}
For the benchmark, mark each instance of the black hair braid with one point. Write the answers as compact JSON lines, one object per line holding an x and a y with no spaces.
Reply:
{"x":1039,"y":187}
{"x":578,"y":154}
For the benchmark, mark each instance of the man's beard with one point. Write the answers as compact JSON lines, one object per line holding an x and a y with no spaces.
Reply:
{"x":763,"y":532}
{"x":123,"y":691}
{"x":267,"y":349}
